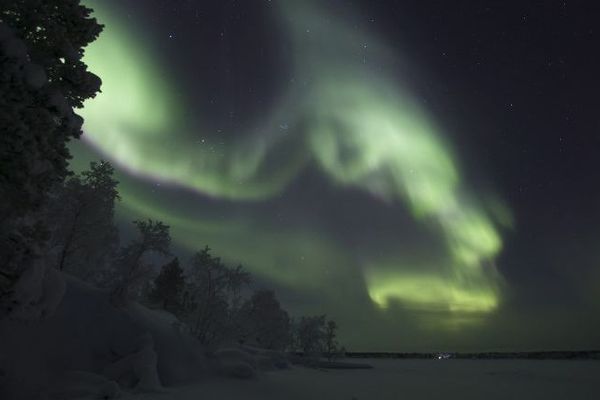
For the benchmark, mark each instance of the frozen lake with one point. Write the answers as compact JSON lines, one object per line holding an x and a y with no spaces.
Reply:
{"x":413,"y":379}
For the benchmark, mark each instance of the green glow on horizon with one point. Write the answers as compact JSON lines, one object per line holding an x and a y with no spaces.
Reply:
{"x":362,"y":129}
{"x":427,"y":291}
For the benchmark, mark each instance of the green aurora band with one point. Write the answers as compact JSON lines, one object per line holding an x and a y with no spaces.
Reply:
{"x":362,"y":129}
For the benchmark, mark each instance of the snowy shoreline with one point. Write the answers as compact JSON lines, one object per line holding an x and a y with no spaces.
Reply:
{"x":86,"y":334}
{"x":409,"y":379}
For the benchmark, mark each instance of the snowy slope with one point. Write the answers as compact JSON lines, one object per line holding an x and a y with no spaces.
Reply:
{"x":88,"y":334}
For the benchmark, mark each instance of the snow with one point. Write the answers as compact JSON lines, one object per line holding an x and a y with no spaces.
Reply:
{"x":140,"y":366}
{"x":14,"y":48}
{"x":90,"y":349}
{"x":38,"y":292}
{"x":35,"y":76}
{"x":410,"y":379}
{"x":181,"y":358}
{"x":87,"y":334}
{"x":83,"y":385}
{"x":60,"y":103}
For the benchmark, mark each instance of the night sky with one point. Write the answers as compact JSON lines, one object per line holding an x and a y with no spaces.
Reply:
{"x":424,"y":172}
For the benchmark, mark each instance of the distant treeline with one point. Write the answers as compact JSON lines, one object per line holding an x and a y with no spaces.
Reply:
{"x":529,"y":355}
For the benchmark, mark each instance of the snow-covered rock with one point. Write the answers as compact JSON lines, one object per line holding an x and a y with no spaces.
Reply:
{"x":139,"y":368}
{"x":267,"y":359}
{"x":83,"y":385}
{"x":38,"y":291}
{"x":235,"y":363}
{"x":88,"y":334}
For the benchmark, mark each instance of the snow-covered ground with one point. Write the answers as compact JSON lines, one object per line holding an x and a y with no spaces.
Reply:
{"x":410,"y":379}
{"x":88,"y":345}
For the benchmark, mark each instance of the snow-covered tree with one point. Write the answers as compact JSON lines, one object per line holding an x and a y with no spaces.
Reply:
{"x":42,"y":78}
{"x":132,"y":269}
{"x":263,"y":322}
{"x":82,"y":216}
{"x":168,"y":286}
{"x":56,"y":33}
{"x":310,"y":335}
{"x":211,"y":296}
{"x":331,"y":345}
{"x":316,"y":336}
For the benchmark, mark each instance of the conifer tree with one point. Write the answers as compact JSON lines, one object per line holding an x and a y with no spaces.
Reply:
{"x":168,"y":286}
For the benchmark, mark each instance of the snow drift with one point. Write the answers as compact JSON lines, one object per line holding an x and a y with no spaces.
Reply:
{"x":88,"y":343}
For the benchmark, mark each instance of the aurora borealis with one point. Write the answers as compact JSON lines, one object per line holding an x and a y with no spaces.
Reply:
{"x":345,"y":191}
